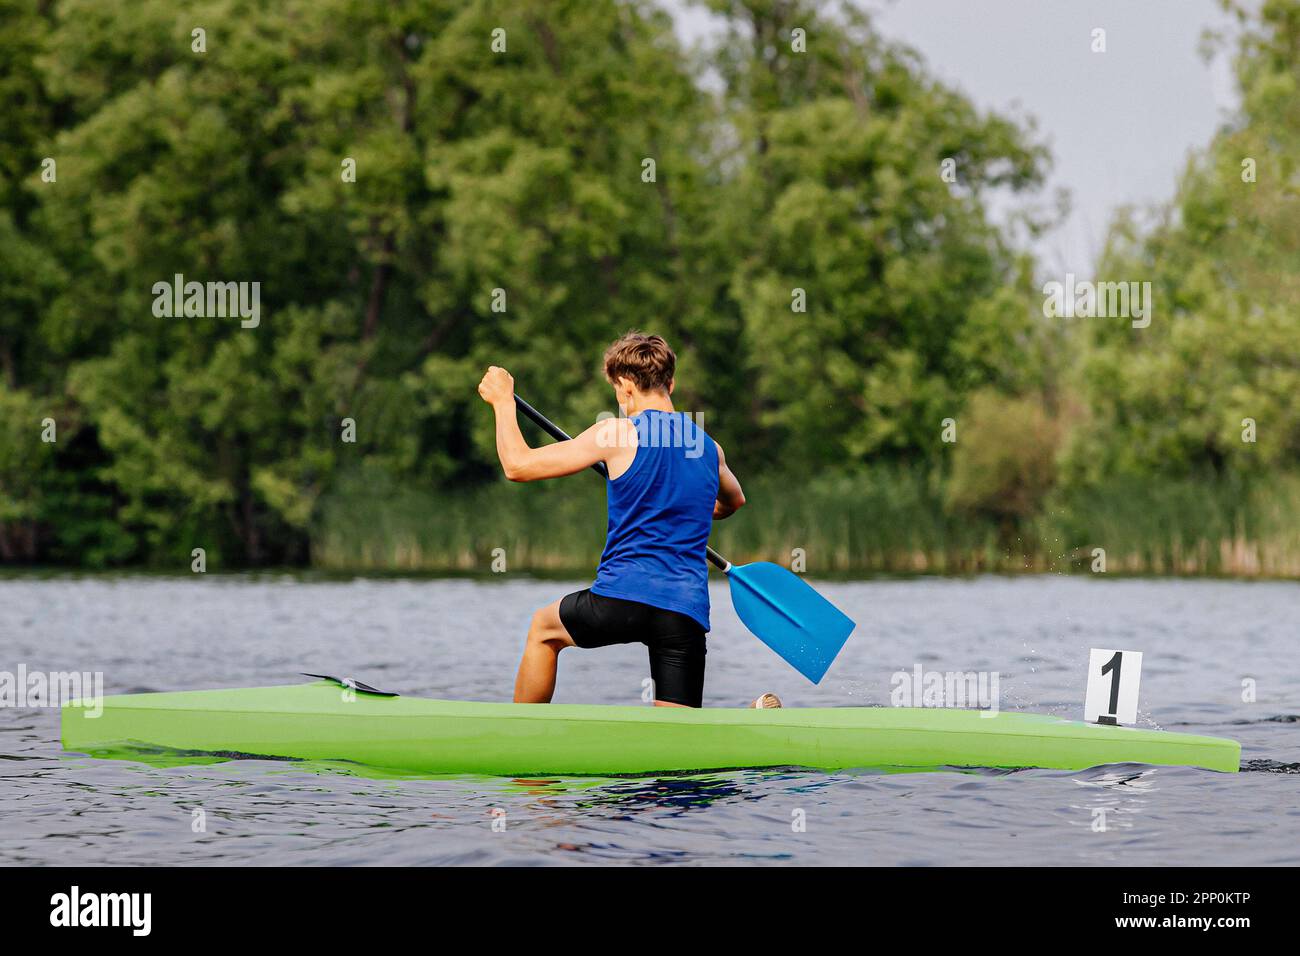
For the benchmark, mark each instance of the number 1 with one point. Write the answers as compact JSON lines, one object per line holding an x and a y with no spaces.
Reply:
{"x":1113,"y":666}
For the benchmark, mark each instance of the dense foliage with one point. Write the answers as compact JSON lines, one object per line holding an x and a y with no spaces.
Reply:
{"x":533,"y":178}
{"x":1223,"y":349}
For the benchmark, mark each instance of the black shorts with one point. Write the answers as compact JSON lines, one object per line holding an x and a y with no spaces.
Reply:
{"x":676,"y":642}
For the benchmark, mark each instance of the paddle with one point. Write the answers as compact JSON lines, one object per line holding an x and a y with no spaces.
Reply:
{"x":353,"y":684}
{"x":777,"y":605}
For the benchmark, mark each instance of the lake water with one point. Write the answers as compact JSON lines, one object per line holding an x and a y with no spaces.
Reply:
{"x":461,"y":638}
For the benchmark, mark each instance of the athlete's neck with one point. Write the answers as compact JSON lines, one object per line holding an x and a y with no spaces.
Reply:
{"x":640,"y":402}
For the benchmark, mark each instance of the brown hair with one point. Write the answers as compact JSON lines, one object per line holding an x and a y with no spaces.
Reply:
{"x":645,"y":360}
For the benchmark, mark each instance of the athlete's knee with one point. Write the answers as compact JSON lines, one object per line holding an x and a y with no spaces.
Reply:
{"x":547,"y":629}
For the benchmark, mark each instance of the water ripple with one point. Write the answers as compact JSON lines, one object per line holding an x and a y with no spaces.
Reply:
{"x":459,"y":638}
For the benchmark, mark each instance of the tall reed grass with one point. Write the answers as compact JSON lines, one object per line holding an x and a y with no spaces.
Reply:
{"x":879,"y":521}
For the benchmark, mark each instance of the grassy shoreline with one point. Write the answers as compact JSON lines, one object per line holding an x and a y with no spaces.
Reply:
{"x":845,"y":525}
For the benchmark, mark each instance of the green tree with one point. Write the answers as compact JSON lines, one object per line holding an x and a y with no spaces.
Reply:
{"x":1223,"y":258}
{"x":913,"y":297}
{"x":476,"y":170}
{"x":1004,"y":460}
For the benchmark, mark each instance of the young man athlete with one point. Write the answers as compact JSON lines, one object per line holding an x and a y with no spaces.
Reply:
{"x":668,"y":481}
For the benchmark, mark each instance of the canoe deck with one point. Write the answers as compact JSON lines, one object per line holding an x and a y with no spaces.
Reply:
{"x":315,"y":722}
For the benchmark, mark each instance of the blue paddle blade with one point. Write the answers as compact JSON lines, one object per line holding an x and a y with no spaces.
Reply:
{"x":787,"y":615}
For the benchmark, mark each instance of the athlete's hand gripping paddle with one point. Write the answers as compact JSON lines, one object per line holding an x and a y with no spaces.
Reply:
{"x":779,"y":607}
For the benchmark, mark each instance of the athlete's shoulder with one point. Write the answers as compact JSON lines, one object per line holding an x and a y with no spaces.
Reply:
{"x":615,"y":432}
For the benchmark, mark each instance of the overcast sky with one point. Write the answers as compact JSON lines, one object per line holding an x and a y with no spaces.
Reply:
{"x":1120,"y":124}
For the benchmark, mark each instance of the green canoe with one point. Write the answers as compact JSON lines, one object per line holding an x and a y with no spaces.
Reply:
{"x":319,"y":722}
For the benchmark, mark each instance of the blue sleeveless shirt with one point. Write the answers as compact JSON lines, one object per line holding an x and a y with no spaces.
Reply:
{"x":660,"y":516}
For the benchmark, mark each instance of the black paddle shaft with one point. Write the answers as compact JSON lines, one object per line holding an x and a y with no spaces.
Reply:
{"x":556,"y":432}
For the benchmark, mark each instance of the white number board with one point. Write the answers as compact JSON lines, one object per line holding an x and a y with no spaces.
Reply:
{"x":1113,"y":678}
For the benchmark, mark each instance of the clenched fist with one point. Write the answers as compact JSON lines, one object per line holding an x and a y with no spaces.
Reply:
{"x":497,"y":387}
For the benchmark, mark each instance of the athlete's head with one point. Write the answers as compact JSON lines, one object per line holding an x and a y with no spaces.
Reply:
{"x":642,"y":361}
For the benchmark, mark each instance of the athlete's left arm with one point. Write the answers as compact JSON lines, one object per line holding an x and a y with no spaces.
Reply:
{"x":730,"y":496}
{"x":518,"y":460}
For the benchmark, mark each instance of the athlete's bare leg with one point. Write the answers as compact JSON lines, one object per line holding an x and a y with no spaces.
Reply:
{"x":547,"y":636}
